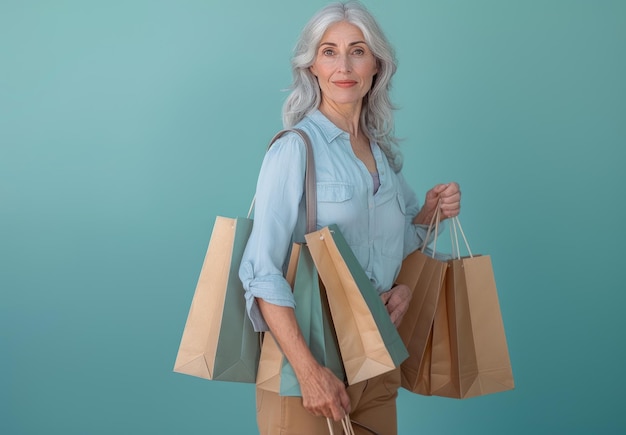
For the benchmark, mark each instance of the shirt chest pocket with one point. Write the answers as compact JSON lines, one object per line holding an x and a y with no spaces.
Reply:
{"x":334,"y":192}
{"x":335,"y":203}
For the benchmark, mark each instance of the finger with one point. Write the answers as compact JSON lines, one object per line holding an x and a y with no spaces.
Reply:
{"x":394,"y":310}
{"x":345,"y":402}
{"x":399,"y":320}
{"x":450,"y":195}
{"x":396,"y":317}
{"x":451,"y":187}
{"x":393,"y":302}
{"x":396,"y":321}
{"x":314,"y":411}
{"x":450,"y":206}
{"x":439,"y":188}
{"x":393,"y":316}
{"x":328,"y":410}
{"x":432,"y":196}
{"x":453,"y":198}
{"x":451,"y":210}
{"x":337,"y":413}
{"x":341,"y":406}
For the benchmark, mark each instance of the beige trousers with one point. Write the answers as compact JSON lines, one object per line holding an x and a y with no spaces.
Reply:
{"x":373,"y":404}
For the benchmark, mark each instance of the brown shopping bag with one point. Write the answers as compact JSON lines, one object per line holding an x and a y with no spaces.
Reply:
{"x":424,"y":275}
{"x":312,"y":312}
{"x":423,"y":272}
{"x":368,"y":341}
{"x":439,"y":350}
{"x":219,"y":341}
{"x":469,"y":350}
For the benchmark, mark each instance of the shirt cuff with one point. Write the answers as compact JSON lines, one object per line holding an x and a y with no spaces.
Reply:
{"x":273,"y":289}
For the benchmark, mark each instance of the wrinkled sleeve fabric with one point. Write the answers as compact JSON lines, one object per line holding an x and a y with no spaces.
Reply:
{"x":279,"y":191}
{"x":414,"y":234}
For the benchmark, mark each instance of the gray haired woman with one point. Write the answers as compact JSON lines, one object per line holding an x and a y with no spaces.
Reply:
{"x":342,"y":68}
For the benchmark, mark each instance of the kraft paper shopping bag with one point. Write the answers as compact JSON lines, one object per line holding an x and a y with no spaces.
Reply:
{"x":470,"y":353}
{"x":312,"y":313}
{"x":424,"y":275}
{"x":368,"y":341}
{"x":478,"y":346}
{"x":218,"y":341}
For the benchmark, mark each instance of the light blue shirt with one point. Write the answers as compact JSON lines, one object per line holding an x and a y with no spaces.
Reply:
{"x":377,"y":226}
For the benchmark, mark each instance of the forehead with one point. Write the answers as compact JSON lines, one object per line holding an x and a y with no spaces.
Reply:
{"x":342,"y":32}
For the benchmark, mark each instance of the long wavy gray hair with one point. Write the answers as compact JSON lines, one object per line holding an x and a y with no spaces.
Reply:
{"x":377,"y":112}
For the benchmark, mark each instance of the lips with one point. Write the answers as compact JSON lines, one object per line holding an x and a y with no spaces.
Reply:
{"x":345,"y":83}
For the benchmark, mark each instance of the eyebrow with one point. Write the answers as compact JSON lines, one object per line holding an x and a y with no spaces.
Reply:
{"x":332,"y":44}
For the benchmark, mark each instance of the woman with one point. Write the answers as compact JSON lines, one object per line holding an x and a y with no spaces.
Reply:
{"x":342,"y":68}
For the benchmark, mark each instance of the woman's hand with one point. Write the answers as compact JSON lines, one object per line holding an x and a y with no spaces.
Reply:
{"x":447,"y":196}
{"x":397,"y":302}
{"x":323,"y":394}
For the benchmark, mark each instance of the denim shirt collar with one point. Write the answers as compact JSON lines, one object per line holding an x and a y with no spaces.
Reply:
{"x":326,"y":127}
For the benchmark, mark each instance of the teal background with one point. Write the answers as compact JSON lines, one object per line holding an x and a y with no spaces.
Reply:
{"x":127,"y":126}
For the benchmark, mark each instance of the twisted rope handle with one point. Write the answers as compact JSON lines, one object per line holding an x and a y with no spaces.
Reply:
{"x":456,"y":224}
{"x":345,"y":423}
{"x":348,"y":428}
{"x":434,"y":220}
{"x":454,"y":237}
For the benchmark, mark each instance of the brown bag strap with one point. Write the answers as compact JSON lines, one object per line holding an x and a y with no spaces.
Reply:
{"x":310,"y":188}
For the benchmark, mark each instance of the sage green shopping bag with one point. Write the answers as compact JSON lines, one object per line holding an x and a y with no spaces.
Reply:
{"x":312,"y":313}
{"x":219,"y":341}
{"x":368,"y":341}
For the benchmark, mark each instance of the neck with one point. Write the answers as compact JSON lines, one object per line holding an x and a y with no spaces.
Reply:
{"x":346,"y":117}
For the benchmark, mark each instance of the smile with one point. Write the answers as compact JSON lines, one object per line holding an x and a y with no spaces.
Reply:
{"x":345,"y":83}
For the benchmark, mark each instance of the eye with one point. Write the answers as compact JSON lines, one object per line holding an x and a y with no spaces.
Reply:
{"x":359,"y":52}
{"x":327,"y":52}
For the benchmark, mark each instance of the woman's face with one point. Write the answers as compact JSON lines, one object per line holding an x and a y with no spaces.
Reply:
{"x":344,"y":65}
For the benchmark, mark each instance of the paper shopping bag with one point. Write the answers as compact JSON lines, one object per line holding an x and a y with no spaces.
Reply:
{"x":469,"y":350}
{"x":219,"y":341}
{"x":368,"y":341}
{"x":312,"y":313}
{"x":440,"y":364}
{"x":478,"y":348}
{"x":424,"y":275}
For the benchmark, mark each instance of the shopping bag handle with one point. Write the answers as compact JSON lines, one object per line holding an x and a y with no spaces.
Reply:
{"x":454,"y":237}
{"x":347,"y":426}
{"x":434,"y":222}
{"x":310,"y":188}
{"x":456,"y":252}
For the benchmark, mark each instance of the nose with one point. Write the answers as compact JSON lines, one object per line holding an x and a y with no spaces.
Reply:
{"x":344,"y":64}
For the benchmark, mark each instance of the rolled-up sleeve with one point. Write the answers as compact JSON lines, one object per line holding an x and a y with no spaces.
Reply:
{"x":279,"y":193}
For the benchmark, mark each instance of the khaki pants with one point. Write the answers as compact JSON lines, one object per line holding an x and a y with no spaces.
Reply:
{"x":373,"y":404}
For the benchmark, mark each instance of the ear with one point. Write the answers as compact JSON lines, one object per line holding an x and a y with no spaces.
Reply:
{"x":313,"y":70}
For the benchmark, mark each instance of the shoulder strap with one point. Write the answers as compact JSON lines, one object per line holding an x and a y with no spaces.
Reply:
{"x":310,"y":188}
